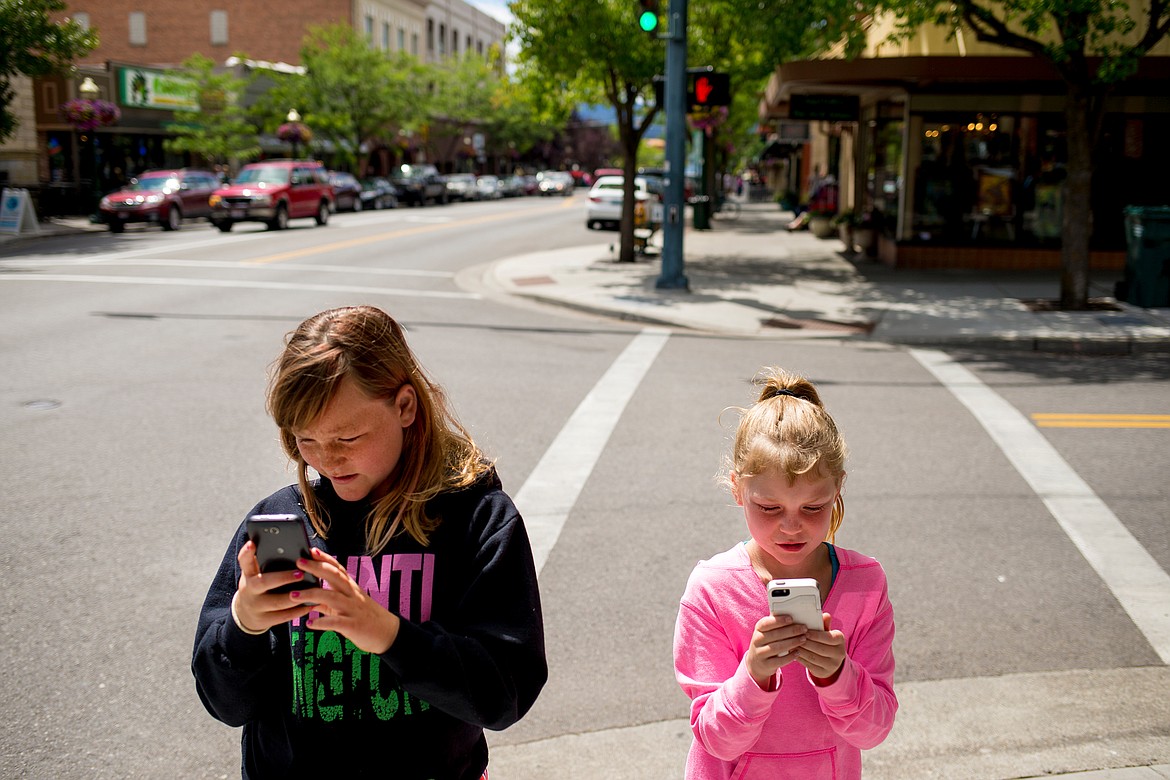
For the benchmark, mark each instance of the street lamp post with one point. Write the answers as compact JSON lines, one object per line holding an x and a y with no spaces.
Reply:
{"x":293,"y":117}
{"x":91,"y":92}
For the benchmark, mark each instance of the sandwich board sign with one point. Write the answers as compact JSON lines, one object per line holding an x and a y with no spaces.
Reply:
{"x":16,"y":212}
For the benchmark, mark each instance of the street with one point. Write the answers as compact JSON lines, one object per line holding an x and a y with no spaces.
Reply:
{"x":132,"y":403}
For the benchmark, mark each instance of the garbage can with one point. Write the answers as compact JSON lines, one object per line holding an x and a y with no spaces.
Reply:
{"x":1147,"y":258}
{"x":701,"y":212}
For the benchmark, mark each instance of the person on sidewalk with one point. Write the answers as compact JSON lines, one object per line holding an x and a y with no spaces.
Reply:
{"x":771,"y":698}
{"x":428,"y":628}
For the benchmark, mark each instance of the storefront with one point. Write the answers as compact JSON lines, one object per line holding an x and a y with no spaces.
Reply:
{"x":78,"y":166}
{"x":960,"y":161}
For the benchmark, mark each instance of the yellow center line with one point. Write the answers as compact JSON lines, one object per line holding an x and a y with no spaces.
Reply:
{"x":1073,"y":420}
{"x":412,"y":231}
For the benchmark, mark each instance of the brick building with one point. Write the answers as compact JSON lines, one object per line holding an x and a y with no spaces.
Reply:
{"x":148,"y":38}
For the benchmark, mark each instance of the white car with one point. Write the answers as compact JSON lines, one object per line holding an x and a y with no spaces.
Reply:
{"x":604,"y":211}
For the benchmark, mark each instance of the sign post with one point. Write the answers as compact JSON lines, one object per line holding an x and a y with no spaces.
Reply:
{"x":671,"y":276}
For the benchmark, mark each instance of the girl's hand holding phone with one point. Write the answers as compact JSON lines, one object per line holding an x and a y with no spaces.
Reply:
{"x":345,"y":607}
{"x":255,"y":608}
{"x":774,"y":640}
{"x":823,"y":654}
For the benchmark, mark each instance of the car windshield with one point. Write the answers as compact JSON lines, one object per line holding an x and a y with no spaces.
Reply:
{"x":154,"y":183}
{"x":263,"y":174}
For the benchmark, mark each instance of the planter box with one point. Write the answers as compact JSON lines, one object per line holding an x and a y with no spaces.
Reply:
{"x":821,"y":227}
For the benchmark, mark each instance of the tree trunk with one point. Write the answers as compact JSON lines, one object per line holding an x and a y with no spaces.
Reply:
{"x":630,"y":149}
{"x":1077,"y":220}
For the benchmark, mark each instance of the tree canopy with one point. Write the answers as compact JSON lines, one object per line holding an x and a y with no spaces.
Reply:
{"x":33,"y":44}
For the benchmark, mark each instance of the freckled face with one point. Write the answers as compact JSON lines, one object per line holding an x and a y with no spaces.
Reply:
{"x":787,"y":522}
{"x":357,"y":440}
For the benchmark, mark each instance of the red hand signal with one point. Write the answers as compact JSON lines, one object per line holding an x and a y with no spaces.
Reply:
{"x":703,"y":89}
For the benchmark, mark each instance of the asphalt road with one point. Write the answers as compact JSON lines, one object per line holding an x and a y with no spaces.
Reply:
{"x":135,"y":439}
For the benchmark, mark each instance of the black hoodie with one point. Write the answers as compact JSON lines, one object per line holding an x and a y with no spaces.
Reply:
{"x":469,"y":654}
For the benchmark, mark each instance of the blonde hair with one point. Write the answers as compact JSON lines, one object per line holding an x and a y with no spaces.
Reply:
{"x":788,"y":431}
{"x":365,"y":344}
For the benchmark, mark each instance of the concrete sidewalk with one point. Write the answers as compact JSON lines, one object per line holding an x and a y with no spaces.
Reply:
{"x":750,"y":277}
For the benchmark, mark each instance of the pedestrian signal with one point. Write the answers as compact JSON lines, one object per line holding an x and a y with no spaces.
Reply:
{"x":648,"y":15}
{"x":708,"y":89}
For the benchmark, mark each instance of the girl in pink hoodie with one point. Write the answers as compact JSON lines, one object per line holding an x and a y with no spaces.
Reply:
{"x":771,"y":698}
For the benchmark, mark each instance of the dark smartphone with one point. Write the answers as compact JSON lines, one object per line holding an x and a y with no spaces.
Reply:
{"x":280,"y":540}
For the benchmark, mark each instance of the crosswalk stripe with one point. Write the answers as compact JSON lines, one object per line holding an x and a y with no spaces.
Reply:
{"x":551,"y":490}
{"x":1140,"y":585}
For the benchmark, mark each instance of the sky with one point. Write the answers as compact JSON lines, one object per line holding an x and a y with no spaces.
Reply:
{"x":496,"y":8}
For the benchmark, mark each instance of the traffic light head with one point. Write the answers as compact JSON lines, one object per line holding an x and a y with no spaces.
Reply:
{"x":648,"y":15}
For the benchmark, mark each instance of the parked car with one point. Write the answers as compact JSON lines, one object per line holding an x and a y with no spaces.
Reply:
{"x":555,"y":182}
{"x":461,"y":186}
{"x":347,"y":191}
{"x":512,"y":186}
{"x":530,"y":184}
{"x":418,"y":184}
{"x":604,"y":211}
{"x":273,"y":192}
{"x":162,"y":196}
{"x":489,"y":187}
{"x":379,"y":193}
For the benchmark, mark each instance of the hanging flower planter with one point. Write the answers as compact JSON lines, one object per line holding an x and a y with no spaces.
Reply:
{"x":85,"y":115}
{"x":294,"y":133}
{"x":708,"y":119}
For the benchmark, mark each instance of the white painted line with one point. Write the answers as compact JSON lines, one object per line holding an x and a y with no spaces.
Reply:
{"x":241,"y":284}
{"x":1127,"y":568}
{"x":551,"y":490}
{"x":242,"y":265}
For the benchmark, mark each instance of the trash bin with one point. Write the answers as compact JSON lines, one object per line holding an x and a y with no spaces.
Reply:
{"x":701,"y":212}
{"x":1147,"y":258}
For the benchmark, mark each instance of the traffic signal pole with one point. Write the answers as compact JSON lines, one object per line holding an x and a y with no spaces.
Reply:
{"x":671,"y":276}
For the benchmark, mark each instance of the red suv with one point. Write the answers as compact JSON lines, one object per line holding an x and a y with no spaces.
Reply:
{"x":163,"y":196}
{"x":273,"y":192}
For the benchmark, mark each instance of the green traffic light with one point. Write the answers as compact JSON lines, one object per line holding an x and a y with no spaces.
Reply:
{"x":648,"y":21}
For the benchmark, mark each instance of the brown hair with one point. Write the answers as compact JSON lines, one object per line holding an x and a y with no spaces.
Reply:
{"x":365,"y":344}
{"x":787,"y":430}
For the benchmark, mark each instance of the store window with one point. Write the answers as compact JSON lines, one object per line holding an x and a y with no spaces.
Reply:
{"x":988,"y":178}
{"x":82,"y":19}
{"x":401,"y":39}
{"x":883,"y":168}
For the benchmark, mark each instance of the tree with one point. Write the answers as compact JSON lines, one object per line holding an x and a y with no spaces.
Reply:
{"x":1094,"y":45}
{"x":218,"y":129}
{"x":351,"y":93}
{"x":33,"y":44}
{"x":592,"y":52}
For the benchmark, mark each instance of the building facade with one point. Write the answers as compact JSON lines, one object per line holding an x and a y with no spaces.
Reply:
{"x":956,"y":149}
{"x":147,"y":39}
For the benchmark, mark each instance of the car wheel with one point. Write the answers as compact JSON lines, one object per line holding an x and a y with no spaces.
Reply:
{"x":225,"y":226}
{"x":174,"y":219}
{"x":357,"y":204}
{"x":117,"y":226}
{"x":322,"y":217}
{"x":280,"y":221}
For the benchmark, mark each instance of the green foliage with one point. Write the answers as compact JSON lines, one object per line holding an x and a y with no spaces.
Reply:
{"x":1091,"y":42}
{"x":218,"y":129}
{"x":32,"y":44}
{"x":351,"y":93}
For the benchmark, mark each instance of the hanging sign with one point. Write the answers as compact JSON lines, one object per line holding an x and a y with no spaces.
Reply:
{"x":146,"y":88}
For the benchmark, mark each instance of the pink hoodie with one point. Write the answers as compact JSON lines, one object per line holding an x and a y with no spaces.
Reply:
{"x":800,"y":731}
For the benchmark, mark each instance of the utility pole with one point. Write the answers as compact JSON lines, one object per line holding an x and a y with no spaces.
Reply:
{"x":672,"y":276}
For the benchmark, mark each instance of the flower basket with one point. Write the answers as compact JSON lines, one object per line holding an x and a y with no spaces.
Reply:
{"x":85,"y":115}
{"x":294,"y":133}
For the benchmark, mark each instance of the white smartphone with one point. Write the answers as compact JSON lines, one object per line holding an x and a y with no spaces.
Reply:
{"x":799,"y":598}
